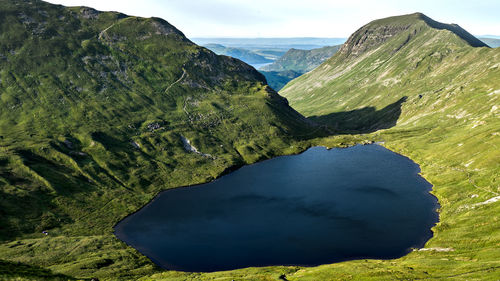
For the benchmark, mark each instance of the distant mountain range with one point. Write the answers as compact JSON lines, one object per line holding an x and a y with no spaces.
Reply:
{"x":302,"y":60}
{"x":489,"y":36}
{"x":287,"y":61}
{"x":295,"y":63}
{"x":492,"y":42}
{"x":278,"y":79}
{"x":305,"y":43}
{"x":248,"y":56}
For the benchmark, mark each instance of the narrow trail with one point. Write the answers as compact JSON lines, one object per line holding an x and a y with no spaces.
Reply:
{"x":185,"y":110}
{"x":177,"y":81}
{"x":471,"y":181}
{"x":104,"y":31}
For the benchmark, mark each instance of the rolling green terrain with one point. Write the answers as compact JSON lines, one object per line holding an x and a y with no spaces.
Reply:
{"x":96,"y":110}
{"x":95,"y":113}
{"x":295,"y":63}
{"x":432,"y":92}
{"x":247,"y":56}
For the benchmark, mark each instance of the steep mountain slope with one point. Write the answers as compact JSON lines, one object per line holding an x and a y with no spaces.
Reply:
{"x":430,"y":91}
{"x":399,"y":56}
{"x":96,"y":110}
{"x":97,"y":115}
{"x":302,"y":60}
{"x":239,"y":53}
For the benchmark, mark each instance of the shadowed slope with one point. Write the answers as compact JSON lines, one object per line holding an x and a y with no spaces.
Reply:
{"x":362,"y":121}
{"x":387,"y":58}
{"x":455,"y":28}
{"x":94,"y":108}
{"x":449,"y":124}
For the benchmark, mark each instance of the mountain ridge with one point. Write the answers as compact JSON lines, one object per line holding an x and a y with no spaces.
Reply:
{"x":239,"y":53}
{"x":301,"y":60}
{"x":294,"y":63}
{"x":430,"y":95}
{"x":95,"y":111}
{"x":92,"y":127}
{"x":377,"y":32}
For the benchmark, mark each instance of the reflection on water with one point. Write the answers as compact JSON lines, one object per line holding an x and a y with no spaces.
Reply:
{"x":321,"y":206}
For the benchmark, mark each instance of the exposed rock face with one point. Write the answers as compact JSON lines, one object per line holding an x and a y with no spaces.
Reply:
{"x":154,"y":126}
{"x":190,"y":148}
{"x":370,"y":37}
{"x":89,"y":13}
{"x":162,"y":27}
{"x":378,"y":32}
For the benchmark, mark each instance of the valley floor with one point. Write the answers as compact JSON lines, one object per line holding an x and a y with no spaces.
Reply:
{"x":468,"y":227}
{"x":466,"y":240}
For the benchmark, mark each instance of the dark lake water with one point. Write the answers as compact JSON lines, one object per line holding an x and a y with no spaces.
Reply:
{"x":318,"y":207}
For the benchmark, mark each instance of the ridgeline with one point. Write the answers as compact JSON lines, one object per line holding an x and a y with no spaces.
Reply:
{"x":95,"y":108}
{"x":430,"y":91}
{"x":100,"y":111}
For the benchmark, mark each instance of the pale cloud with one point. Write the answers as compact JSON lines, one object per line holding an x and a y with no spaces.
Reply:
{"x":297,"y":18}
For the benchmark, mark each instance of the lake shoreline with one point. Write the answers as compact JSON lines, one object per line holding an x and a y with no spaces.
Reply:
{"x":234,"y":168}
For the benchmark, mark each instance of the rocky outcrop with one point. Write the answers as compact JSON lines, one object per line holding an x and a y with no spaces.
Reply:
{"x":378,"y":32}
{"x":89,"y":13}
{"x":369,"y":37}
{"x":190,"y":148}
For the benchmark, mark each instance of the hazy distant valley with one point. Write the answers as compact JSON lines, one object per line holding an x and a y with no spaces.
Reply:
{"x":279,"y":59}
{"x":491,"y":41}
{"x":284,"y":59}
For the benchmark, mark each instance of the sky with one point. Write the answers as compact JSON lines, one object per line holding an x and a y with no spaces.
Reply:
{"x":297,"y":18}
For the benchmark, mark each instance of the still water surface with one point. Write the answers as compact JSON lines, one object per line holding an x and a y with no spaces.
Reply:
{"x":318,"y":207}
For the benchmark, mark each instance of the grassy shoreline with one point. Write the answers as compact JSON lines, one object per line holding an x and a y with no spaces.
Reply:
{"x":424,"y":264}
{"x":86,"y":143}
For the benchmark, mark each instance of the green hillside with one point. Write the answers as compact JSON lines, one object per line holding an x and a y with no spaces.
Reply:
{"x":95,"y":111}
{"x":432,"y":92}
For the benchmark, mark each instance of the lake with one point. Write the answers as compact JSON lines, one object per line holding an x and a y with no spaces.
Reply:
{"x":318,"y":207}
{"x":259,"y":65}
